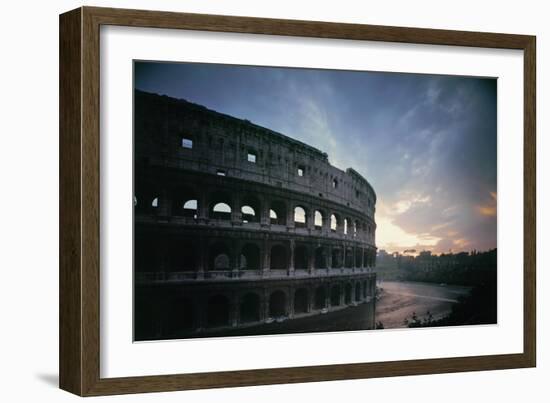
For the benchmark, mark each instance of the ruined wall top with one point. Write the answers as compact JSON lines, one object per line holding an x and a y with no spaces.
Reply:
{"x":179,"y":134}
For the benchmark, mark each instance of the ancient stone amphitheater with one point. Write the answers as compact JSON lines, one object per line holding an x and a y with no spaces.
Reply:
{"x":236,"y":225}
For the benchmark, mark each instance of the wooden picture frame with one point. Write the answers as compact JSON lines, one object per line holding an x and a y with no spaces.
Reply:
{"x":79,"y":278}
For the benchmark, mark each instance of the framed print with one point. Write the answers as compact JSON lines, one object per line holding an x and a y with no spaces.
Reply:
{"x":251,"y":201}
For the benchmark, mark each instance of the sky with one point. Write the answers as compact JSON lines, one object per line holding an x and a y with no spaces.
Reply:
{"x":426,"y":143}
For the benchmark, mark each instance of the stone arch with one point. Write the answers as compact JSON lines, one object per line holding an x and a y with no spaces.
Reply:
{"x":277,"y":213}
{"x":301,"y":296}
{"x":318,"y":219}
{"x":301,"y":257}
{"x":278,"y":257}
{"x":220,"y":206}
{"x":300,"y":217}
{"x":336,"y":257}
{"x":190,"y":208}
{"x":217,"y":311}
{"x":320,"y":258}
{"x":250,"y":209}
{"x":334,"y":221}
{"x":358,"y":291}
{"x":250,"y":257}
{"x":178,"y":315}
{"x":348,"y":258}
{"x":221,"y":257}
{"x":347,"y":293}
{"x":364,"y":288}
{"x":320,"y":297}
{"x":183,"y":197}
{"x":250,"y":308}
{"x":277,"y":304}
{"x":183,"y":256}
{"x":335,"y":295}
{"x":358,"y":254}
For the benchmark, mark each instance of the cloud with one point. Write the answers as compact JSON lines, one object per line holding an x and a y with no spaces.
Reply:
{"x":426,"y":143}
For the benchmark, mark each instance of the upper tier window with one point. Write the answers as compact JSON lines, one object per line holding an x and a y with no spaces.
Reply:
{"x":301,"y":170}
{"x":251,"y":157}
{"x":187,"y":142}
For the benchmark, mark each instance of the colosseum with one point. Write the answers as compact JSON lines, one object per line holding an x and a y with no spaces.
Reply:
{"x":237,"y":226}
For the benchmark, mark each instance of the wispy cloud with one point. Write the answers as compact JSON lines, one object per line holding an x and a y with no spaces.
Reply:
{"x":426,"y":143}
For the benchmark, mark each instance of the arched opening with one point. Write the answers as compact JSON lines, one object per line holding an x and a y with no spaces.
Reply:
{"x":301,"y":257}
{"x":300,"y":301}
{"x":277,"y":304}
{"x":250,"y":308}
{"x":250,"y":209}
{"x":279,"y":259}
{"x":335,"y":295}
{"x":184,"y":256}
{"x":336,"y":258}
{"x":155,"y":203}
{"x":347,"y":295}
{"x":220,"y":257}
{"x":277,"y":213}
{"x":221,"y":211}
{"x":178,"y":316}
{"x":333,"y":222}
{"x":217,"y":311}
{"x":349,"y":258}
{"x":248,"y":214}
{"x":146,"y":256}
{"x":358,"y":254}
{"x":190,"y":208}
{"x":250,"y":257}
{"x":320,"y":258}
{"x":365,"y":289}
{"x":365,"y":258}
{"x":358,"y":291}
{"x":184,"y":202}
{"x":318,"y":220}
{"x":300,"y":218}
{"x":320,"y":297}
{"x":346,"y":223}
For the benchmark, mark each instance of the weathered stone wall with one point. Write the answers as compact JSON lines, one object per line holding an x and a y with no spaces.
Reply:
{"x":217,"y":248}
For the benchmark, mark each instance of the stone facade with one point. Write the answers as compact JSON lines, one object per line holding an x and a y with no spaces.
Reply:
{"x":237,"y":225}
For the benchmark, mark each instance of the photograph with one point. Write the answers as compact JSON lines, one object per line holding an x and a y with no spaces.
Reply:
{"x":278,"y":200}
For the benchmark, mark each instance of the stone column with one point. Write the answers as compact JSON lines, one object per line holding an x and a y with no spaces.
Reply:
{"x":290,"y":216}
{"x":234,"y":310}
{"x":235,"y":262}
{"x":264,"y":213}
{"x":165,"y":203}
{"x":291,"y":258}
{"x":236,"y":215}
{"x":329,"y":257}
{"x":310,"y":219}
{"x":290,"y":303}
{"x":266,"y":303}
{"x":311,"y":260}
{"x":267,"y":255}
{"x":203,"y":208}
{"x":326,"y":224}
{"x":202,"y":266}
{"x":343,"y":256}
